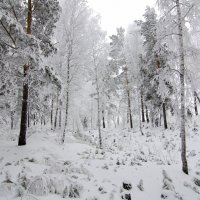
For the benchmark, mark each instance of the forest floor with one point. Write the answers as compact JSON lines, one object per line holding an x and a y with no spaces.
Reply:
{"x":130,"y":166}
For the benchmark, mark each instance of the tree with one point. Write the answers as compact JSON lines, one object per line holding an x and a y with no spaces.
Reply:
{"x":120,"y":68}
{"x":28,"y":40}
{"x":184,"y":9}
{"x":154,"y":69}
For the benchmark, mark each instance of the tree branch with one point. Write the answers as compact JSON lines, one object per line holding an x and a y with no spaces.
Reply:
{"x":9,"y":34}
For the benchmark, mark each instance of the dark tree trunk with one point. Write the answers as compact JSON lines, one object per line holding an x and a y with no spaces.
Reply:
{"x":28,"y":115}
{"x":147,"y":114}
{"x":195,"y":104}
{"x":160,"y":122}
{"x":142,"y":107}
{"x":34,"y":120}
{"x":12,"y":120}
{"x":131,"y":121}
{"x":23,"y":125}
{"x":60,"y":118}
{"x":56,"y":116}
{"x":52,"y":114}
{"x":164,"y":116}
{"x":103,"y":119}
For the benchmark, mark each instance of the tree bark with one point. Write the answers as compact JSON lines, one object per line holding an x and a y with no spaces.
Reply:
{"x":60,"y":118}
{"x":164,"y":116}
{"x":12,"y":119}
{"x":52,"y":113}
{"x":29,"y":115}
{"x":142,"y":107}
{"x":98,"y":112}
{"x":147,"y":114}
{"x":23,"y":125}
{"x":103,"y":118}
{"x":67,"y":99}
{"x":56,"y":116}
{"x":128,"y":96}
{"x":182,"y":81}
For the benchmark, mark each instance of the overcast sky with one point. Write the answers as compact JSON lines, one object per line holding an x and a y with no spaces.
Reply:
{"x":116,"y":13}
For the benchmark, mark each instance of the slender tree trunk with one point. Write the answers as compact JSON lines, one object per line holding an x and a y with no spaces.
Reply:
{"x":99,"y":120}
{"x":56,"y":116}
{"x":98,"y":112}
{"x":129,"y":99}
{"x":98,"y":103}
{"x":147,"y":114}
{"x":160,"y":121}
{"x":23,"y":125}
{"x":12,"y":119}
{"x":34,"y":120}
{"x":66,"y":117}
{"x":103,"y":118}
{"x":164,"y":116}
{"x":60,"y":118}
{"x":195,"y":104}
{"x":182,"y":80}
{"x":67,"y":100}
{"x":142,"y":107}
{"x":139,"y":111}
{"x":52,"y":113}
{"x":29,"y":115}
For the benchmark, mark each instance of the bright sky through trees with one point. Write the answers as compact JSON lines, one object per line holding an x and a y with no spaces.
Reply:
{"x":115,"y":13}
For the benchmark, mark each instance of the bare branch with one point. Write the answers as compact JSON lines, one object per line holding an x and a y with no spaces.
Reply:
{"x":8,"y":33}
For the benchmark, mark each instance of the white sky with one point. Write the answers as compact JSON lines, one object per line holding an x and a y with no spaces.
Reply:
{"x":116,"y":13}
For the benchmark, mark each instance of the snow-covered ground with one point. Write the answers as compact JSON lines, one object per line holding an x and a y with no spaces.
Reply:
{"x":130,"y":166}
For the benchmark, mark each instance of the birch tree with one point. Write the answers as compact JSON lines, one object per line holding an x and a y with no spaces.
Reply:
{"x":181,"y":10}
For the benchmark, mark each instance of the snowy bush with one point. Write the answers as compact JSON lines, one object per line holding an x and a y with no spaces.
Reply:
{"x":39,"y":186}
{"x":73,"y":191}
{"x":167,"y":182}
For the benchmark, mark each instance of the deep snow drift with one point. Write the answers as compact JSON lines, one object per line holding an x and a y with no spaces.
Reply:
{"x":130,"y":166}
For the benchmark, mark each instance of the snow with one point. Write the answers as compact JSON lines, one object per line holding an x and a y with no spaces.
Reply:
{"x":150,"y":164}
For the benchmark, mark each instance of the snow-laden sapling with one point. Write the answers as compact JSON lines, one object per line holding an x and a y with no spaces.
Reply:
{"x":74,"y":191}
{"x":22,"y":180}
{"x":167,"y":182}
